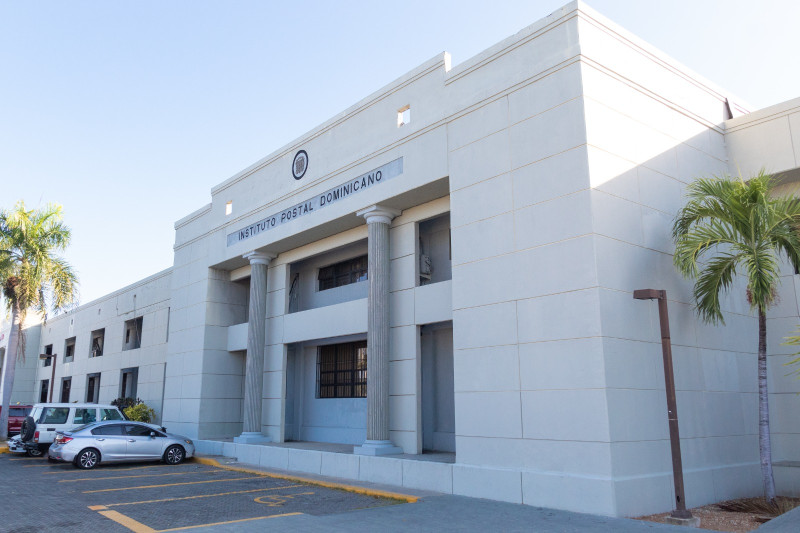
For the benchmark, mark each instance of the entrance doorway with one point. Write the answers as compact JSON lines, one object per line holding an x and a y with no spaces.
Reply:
{"x":438,"y":398}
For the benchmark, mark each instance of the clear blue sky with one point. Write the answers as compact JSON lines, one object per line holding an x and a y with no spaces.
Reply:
{"x":127,"y":113}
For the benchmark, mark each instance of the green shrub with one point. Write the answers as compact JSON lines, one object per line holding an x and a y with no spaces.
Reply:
{"x":140,"y":413}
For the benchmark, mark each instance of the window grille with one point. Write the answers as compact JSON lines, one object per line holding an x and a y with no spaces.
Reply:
{"x":342,"y":370}
{"x":344,"y":273}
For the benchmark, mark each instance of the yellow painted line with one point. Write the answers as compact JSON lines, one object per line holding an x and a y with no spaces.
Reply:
{"x":201,"y":496}
{"x":35,"y":466}
{"x":168,"y":485}
{"x":76,"y":471}
{"x":298,"y":479}
{"x":26,"y":459}
{"x":127,"y":477}
{"x":98,"y":507}
{"x":228,"y":522}
{"x":130,"y":523}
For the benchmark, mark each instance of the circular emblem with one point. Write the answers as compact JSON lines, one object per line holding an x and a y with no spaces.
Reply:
{"x":300,"y":164}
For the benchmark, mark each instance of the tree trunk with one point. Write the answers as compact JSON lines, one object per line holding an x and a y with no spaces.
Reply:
{"x":764,"y":445}
{"x":9,"y":368}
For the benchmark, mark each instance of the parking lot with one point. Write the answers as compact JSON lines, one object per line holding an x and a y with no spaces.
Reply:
{"x":37,"y":495}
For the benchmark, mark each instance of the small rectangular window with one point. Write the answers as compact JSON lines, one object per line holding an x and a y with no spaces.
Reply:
{"x":44,"y":389}
{"x":128,"y":382}
{"x":133,"y":334}
{"x":48,"y":350}
{"x":403,"y":116}
{"x":344,"y":273}
{"x":342,"y":370}
{"x":66,"y":386}
{"x":228,"y":208}
{"x":92,"y":388}
{"x":97,"y":343}
{"x":69,"y":349}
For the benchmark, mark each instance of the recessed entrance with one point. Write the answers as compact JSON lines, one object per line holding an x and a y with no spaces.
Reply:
{"x":438,"y":399}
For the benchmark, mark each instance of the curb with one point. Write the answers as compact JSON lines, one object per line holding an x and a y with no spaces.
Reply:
{"x":4,"y":448}
{"x":327,"y":484}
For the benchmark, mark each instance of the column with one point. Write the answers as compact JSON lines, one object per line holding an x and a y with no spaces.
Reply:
{"x":378,"y":220}
{"x":256,"y":343}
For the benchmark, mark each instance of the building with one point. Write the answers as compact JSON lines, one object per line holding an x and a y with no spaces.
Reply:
{"x":445,"y":271}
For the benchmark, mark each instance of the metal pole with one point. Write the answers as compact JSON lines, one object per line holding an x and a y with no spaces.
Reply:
{"x":680,"y":510}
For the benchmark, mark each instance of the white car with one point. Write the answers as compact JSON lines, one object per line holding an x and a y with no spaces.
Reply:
{"x":46,"y":419}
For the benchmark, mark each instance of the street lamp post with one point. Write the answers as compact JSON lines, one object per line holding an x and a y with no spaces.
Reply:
{"x":680,"y":515}
{"x":52,"y":374}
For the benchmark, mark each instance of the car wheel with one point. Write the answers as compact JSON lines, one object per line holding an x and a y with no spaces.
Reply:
{"x":35,"y":452}
{"x":87,"y":458}
{"x":27,"y":430}
{"x":174,"y":455}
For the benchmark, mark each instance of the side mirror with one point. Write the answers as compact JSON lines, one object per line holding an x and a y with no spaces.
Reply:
{"x":153,"y":434}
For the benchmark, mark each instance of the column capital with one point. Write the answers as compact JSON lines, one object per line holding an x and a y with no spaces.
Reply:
{"x":378,"y":213}
{"x":259,"y":257}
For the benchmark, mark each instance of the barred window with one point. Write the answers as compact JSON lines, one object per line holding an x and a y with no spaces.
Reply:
{"x":342,"y":370}
{"x":344,"y":273}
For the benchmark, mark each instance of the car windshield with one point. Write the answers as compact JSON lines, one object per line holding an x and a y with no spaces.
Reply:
{"x":80,"y":428}
{"x":110,"y":414}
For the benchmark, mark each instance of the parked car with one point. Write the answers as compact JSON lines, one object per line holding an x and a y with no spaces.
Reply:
{"x":16,"y":414}
{"x":108,"y":442}
{"x":39,"y":429}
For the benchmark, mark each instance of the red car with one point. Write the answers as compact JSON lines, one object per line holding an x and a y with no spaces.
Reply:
{"x":16,"y":415}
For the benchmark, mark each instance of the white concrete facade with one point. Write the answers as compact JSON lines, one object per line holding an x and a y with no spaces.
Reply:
{"x":559,"y":156}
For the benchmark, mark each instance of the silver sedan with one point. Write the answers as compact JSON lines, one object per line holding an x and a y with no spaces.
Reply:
{"x":107,"y":442}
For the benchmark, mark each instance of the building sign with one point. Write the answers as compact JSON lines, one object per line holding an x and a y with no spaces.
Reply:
{"x":300,"y":164}
{"x":320,"y":201}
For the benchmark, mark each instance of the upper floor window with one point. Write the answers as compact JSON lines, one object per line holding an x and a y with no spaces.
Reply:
{"x":69,"y":349}
{"x":343,"y":273}
{"x":48,"y":350}
{"x":133,"y":334}
{"x":98,"y":340}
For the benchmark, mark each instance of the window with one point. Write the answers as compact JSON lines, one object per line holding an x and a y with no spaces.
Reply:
{"x":132,"y":334}
{"x":344,"y":273}
{"x":112,"y":429}
{"x":92,"y":388}
{"x":69,"y":350}
{"x":48,"y":350}
{"x":228,"y":208}
{"x":110,"y":414}
{"x":140,"y":431}
{"x":19,"y":411}
{"x":85,"y":416}
{"x":403,"y":116}
{"x":342,"y":370}
{"x":54,"y":415}
{"x":128,"y":381}
{"x":97,"y":342}
{"x":66,"y":385}
{"x":44,"y":389}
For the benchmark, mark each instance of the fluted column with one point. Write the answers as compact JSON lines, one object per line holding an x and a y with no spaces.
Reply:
{"x":256,"y":343}
{"x":378,"y":443}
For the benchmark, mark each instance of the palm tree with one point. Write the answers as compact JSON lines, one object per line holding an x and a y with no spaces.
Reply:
{"x":731,"y":226}
{"x":32,"y":276}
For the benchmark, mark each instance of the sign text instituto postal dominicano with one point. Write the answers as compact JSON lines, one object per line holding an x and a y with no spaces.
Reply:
{"x":320,"y":201}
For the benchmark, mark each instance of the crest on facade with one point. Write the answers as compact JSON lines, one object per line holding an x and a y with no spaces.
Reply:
{"x":300,"y":164}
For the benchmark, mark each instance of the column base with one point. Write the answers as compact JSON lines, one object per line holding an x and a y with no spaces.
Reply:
{"x":692,"y":521}
{"x":377,"y":447}
{"x":251,"y":437}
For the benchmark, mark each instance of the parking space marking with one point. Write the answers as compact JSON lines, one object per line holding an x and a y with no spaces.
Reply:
{"x":25,"y":459}
{"x":278,"y":499}
{"x":138,"y":527}
{"x":130,"y":523}
{"x":129,"y":477}
{"x":34,"y":466}
{"x":199,"y":496}
{"x":172,"y":484}
{"x":228,"y":522}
